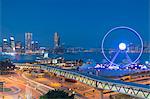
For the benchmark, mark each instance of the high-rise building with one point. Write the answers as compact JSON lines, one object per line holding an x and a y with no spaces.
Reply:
{"x":28,"y":40}
{"x":146,"y":47}
{"x":12,"y":44}
{"x":5,"y":46}
{"x":35,"y":45}
{"x":0,"y":49}
{"x":18,"y":46}
{"x":56,"y":40}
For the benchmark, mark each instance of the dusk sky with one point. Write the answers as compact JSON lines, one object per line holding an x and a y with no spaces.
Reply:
{"x":78,"y":22}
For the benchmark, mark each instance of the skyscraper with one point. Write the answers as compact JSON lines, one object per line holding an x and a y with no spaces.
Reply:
{"x":28,"y":40}
{"x":12,"y":44}
{"x":56,"y":40}
{"x":18,"y":46}
{"x":35,"y":45}
{"x":5,"y":46}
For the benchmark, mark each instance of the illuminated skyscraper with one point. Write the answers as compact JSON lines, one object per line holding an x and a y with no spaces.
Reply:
{"x":0,"y":49}
{"x":18,"y":46}
{"x":12,"y":43}
{"x":5,"y":46}
{"x":56,"y":40}
{"x":35,"y":45}
{"x":28,"y":40}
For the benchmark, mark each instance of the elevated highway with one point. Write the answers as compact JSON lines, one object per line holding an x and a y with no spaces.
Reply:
{"x":128,"y":88}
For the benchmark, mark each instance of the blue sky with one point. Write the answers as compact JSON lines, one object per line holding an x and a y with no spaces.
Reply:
{"x":79,"y":22}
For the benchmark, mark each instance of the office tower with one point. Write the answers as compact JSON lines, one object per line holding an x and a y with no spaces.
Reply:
{"x":28,"y":40}
{"x":5,"y":46}
{"x":146,"y":47}
{"x":35,"y":45}
{"x":0,"y":49}
{"x":12,"y":44}
{"x":56,"y":40}
{"x":18,"y":46}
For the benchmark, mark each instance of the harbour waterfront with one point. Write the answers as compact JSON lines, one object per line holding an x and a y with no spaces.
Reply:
{"x":97,"y":57}
{"x":93,"y":57}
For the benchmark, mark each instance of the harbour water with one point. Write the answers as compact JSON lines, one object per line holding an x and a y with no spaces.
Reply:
{"x":95,"y":57}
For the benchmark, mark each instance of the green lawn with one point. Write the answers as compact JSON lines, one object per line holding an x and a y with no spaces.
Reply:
{"x":5,"y":89}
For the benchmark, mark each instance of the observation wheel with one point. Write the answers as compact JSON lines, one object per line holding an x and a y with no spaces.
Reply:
{"x":122,"y":45}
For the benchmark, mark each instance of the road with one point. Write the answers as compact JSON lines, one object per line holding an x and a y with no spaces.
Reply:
{"x":16,"y":81}
{"x":84,"y":90}
{"x":27,"y":84}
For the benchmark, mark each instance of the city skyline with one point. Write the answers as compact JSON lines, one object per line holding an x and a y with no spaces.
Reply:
{"x":78,"y":22}
{"x":74,"y":49}
{"x":28,"y":40}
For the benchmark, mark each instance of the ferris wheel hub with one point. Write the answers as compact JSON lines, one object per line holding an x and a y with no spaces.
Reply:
{"x":122,"y":46}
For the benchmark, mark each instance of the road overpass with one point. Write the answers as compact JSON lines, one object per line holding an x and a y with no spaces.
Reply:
{"x":128,"y":88}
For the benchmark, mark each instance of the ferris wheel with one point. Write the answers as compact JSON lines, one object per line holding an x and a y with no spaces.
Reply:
{"x":122,"y":47}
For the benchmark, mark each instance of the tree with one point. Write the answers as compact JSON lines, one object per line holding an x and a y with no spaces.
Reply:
{"x":6,"y":66}
{"x":57,"y":94}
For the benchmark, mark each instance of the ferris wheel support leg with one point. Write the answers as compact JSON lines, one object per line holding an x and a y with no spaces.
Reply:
{"x":129,"y":59}
{"x":114,"y":58}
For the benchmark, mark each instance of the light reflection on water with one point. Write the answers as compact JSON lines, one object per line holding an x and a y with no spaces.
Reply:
{"x":96,"y":57}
